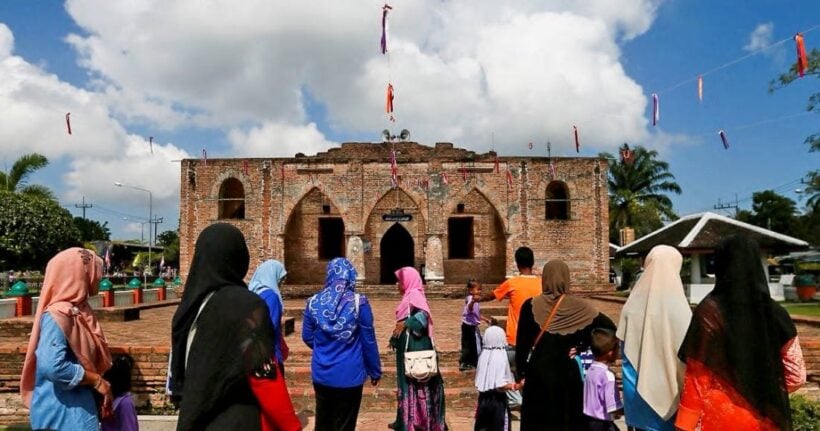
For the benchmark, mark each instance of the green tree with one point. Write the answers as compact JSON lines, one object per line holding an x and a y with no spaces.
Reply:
{"x":772,"y":211}
{"x":169,"y":240}
{"x":92,"y":230}
{"x":16,"y":179}
{"x":638,"y":193}
{"x":813,"y":140}
{"x":32,"y":230}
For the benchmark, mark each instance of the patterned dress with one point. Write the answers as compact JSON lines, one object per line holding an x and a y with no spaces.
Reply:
{"x":420,"y":405}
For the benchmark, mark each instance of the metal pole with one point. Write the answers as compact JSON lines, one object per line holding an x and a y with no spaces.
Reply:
{"x":150,"y":217}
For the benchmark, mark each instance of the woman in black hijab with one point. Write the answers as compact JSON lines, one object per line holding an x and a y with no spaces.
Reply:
{"x":223,"y":333}
{"x":553,"y":389}
{"x":741,"y":350}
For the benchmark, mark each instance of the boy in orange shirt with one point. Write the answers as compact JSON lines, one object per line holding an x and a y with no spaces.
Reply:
{"x":518,"y":289}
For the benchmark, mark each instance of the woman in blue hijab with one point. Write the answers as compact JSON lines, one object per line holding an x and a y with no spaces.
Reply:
{"x":265,"y":283}
{"x":338,"y":326}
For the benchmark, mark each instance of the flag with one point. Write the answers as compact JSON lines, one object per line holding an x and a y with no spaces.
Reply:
{"x":509,"y":178}
{"x":162,"y":262}
{"x":108,"y":258}
{"x":577,"y":141}
{"x":463,"y":172}
{"x":700,"y":88}
{"x":802,"y":60}
{"x":530,"y":145}
{"x":552,"y":170}
{"x":497,"y":166}
{"x":656,"y":109}
{"x":136,"y":261}
{"x":385,"y":27}
{"x":151,"y":144}
{"x":389,"y":104}
{"x":68,"y":122}
{"x":724,"y":139}
{"x":204,"y":157}
{"x":444,"y":178}
{"x":245,"y":167}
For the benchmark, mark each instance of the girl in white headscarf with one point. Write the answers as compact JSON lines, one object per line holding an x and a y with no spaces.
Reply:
{"x":653,"y":324}
{"x":492,"y":379}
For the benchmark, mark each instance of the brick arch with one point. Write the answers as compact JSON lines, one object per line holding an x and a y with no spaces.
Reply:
{"x":230,"y":173}
{"x":418,"y":202}
{"x":214,"y":196}
{"x":453,"y":201}
{"x":302,"y":245}
{"x":375,"y":228}
{"x":481,"y":228}
{"x":303,"y":193}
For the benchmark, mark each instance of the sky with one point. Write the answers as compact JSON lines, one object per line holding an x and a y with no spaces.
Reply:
{"x":270,"y":78}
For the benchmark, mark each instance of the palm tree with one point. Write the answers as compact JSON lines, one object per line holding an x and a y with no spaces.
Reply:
{"x":16,"y":179}
{"x":637,"y":192}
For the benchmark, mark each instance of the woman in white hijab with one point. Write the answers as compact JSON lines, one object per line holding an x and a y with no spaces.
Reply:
{"x":492,"y":379}
{"x":653,"y":324}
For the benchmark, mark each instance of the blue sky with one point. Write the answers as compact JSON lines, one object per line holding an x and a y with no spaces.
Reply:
{"x":268,"y":78}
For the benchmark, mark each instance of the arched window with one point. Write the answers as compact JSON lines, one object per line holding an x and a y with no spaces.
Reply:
{"x":231,"y":199}
{"x":557,"y":201}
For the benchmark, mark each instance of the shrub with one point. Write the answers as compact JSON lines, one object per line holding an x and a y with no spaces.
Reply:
{"x":805,"y":414}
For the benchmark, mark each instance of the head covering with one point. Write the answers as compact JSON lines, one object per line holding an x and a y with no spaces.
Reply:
{"x":234,"y":334}
{"x":267,"y":277}
{"x":333,"y":308}
{"x":653,"y":323}
{"x":493,"y":370}
{"x":413,"y":297}
{"x":573,"y":314}
{"x":738,"y":331}
{"x":71,"y":276}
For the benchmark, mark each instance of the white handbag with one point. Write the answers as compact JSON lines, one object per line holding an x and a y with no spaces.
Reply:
{"x":420,"y":365}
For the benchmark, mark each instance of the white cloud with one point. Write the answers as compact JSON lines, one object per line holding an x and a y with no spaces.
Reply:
{"x":278,"y":140}
{"x":94,"y":176}
{"x":761,"y":37}
{"x":33,"y":105}
{"x":462,"y":70}
{"x":6,"y":41}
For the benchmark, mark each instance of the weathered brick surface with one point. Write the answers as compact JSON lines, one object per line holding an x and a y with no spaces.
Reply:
{"x":285,"y":197}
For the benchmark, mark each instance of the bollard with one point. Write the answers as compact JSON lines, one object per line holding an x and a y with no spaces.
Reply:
{"x":159,"y":283}
{"x":107,"y":289}
{"x":23,"y":306}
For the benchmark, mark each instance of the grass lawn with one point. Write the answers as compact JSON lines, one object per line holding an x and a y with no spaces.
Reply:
{"x":804,"y":308}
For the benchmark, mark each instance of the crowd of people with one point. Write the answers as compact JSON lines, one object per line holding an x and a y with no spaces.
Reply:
{"x":728,"y":365}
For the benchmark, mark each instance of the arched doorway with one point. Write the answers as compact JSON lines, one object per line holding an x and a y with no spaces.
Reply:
{"x":397,"y":251}
{"x":314,"y":234}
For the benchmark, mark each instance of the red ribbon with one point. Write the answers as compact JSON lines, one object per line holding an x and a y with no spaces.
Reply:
{"x":509,"y":178}
{"x":802,"y":59}
{"x":497,"y":166}
{"x":463,"y":172}
{"x":245,"y":167}
{"x":68,"y":122}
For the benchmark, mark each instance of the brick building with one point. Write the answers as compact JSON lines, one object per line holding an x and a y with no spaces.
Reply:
{"x":455,"y":213}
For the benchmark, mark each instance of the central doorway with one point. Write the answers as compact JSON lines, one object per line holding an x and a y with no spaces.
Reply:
{"x":397,"y":251}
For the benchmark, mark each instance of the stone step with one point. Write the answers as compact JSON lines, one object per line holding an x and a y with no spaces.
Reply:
{"x":299,"y":376}
{"x":303,"y":357}
{"x":388,"y":291}
{"x":383,"y":397}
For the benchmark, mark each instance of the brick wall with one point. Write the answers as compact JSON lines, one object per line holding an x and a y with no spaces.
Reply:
{"x":284,"y":198}
{"x":148,"y":379}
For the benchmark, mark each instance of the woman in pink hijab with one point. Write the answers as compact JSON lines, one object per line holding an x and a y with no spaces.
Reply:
{"x":67,"y":352}
{"x":420,"y":404}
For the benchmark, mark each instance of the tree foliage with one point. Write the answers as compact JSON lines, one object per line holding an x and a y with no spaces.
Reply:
{"x":32,"y":230}
{"x":771,"y":211}
{"x":16,"y":179}
{"x":169,"y":240}
{"x":638,"y":193}
{"x":92,"y":230}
